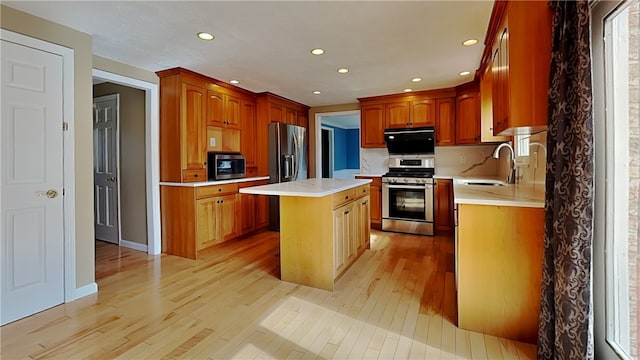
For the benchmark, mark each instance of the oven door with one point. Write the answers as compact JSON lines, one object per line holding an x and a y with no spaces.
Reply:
{"x":408,"y":208}
{"x":408,"y":202}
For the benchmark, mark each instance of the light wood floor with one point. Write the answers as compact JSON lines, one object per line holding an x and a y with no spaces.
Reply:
{"x":397,"y":301}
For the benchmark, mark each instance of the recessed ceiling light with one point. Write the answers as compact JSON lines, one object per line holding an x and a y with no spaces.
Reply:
{"x":317,"y":51}
{"x":317,"y":92}
{"x":408,"y":90}
{"x":416,"y":79}
{"x":234,"y":81}
{"x":343,"y":70}
{"x":465,"y":73}
{"x":470,"y":42}
{"x":205,"y":36}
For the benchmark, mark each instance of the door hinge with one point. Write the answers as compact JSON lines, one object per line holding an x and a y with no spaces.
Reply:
{"x":65,"y":126}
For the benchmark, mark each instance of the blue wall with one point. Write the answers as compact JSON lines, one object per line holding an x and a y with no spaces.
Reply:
{"x":346,"y":147}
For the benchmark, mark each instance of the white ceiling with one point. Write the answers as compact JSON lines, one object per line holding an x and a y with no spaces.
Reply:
{"x":266,"y":45}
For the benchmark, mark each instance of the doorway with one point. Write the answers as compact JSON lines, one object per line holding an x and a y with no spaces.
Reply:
{"x":143,"y":201}
{"x":338,"y":144}
{"x":327,"y":152}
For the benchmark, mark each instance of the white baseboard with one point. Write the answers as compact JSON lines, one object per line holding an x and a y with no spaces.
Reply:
{"x":84,"y":291}
{"x":133,"y":245}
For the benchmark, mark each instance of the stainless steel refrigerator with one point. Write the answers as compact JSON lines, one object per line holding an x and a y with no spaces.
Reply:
{"x":287,"y":161}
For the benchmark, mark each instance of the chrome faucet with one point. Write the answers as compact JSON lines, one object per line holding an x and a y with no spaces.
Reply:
{"x":511,"y":178}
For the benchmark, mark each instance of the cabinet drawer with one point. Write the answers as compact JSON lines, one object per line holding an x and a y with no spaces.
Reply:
{"x":343,"y":197}
{"x":362,"y":190}
{"x":215,"y":190}
{"x":194,"y":175}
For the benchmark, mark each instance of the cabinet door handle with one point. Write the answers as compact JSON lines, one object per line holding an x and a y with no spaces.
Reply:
{"x":364,"y":203}
{"x":346,"y":212}
{"x":219,"y":190}
{"x":346,"y":197}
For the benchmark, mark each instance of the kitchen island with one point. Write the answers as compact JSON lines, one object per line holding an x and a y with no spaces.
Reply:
{"x":499,"y":247}
{"x":324,"y":227}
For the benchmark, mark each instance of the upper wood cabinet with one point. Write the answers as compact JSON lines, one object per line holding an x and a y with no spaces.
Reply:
{"x":486,"y":109}
{"x":183,"y":109}
{"x":223,"y":109}
{"x":192,"y":109}
{"x":372,"y":126}
{"x":274,"y":108}
{"x":397,"y":114}
{"x":519,"y":52}
{"x":423,"y":113}
{"x":248,"y":135}
{"x":468,"y":118}
{"x":445,"y":121}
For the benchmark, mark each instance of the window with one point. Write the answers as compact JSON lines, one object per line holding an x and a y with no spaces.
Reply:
{"x":615,"y":29}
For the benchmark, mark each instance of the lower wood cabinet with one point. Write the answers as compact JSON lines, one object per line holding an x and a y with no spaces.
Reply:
{"x":443,"y":205}
{"x":195,"y":218}
{"x":499,"y":259}
{"x":375,"y":202}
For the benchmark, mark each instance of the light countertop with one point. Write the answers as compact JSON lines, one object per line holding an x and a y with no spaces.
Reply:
{"x":219,"y":182}
{"x":369,"y":175}
{"x":520,"y":195}
{"x":316,"y":187}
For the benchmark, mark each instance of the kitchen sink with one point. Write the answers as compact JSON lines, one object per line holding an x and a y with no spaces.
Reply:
{"x":485,"y":183}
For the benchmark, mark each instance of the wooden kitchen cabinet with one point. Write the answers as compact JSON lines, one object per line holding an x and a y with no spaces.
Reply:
{"x":253,"y":210}
{"x":468,"y":118}
{"x":344,"y":236}
{"x":423,"y":113}
{"x":249,"y":132}
{"x":188,"y":102}
{"x":215,"y":220}
{"x":375,"y":201}
{"x":223,"y":109}
{"x":194,"y":218}
{"x":444,"y":205}
{"x":397,"y":114}
{"x":372,"y":126}
{"x":486,"y":109}
{"x":520,"y":59}
{"x":274,"y":108}
{"x":445,"y":122}
{"x":499,"y":257}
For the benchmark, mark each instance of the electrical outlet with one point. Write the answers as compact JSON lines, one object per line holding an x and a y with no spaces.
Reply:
{"x":463,"y":159}
{"x":212,"y":142}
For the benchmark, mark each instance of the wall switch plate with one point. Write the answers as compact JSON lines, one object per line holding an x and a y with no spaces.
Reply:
{"x":212,"y":142}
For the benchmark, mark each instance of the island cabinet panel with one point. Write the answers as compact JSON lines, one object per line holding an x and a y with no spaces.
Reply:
{"x":375,"y":201}
{"x":316,"y":250}
{"x":499,"y":260}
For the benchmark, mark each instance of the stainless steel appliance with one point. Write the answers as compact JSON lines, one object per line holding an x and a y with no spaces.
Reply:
{"x":287,"y":161}
{"x":223,"y":166}
{"x":407,"y":196}
{"x":408,"y":187}
{"x":415,"y":141}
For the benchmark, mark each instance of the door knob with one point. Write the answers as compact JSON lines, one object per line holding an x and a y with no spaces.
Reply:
{"x":49,"y":193}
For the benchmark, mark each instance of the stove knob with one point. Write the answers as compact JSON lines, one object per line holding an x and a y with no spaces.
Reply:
{"x":405,"y":180}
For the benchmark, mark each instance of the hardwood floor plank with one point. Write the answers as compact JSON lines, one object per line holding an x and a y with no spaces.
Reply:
{"x":396,"y":301}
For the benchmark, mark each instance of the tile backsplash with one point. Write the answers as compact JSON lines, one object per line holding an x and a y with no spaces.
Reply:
{"x":474,"y":160}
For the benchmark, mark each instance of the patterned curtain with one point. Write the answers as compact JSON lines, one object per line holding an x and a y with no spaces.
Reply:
{"x":566,"y":315}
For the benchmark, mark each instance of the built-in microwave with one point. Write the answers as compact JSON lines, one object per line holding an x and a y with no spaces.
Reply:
{"x":223,"y":166}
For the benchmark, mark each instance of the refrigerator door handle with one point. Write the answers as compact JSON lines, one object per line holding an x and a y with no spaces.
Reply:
{"x":287,"y":166}
{"x":296,"y":162}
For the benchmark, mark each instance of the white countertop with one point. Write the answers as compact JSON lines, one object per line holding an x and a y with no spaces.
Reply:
{"x":219,"y":182}
{"x":369,"y":175}
{"x":316,"y":187}
{"x":520,"y":195}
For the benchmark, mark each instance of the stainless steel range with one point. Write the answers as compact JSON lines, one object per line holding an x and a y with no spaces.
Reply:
{"x":408,"y":188}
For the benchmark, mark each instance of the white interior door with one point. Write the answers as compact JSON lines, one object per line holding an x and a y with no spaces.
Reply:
{"x":105,"y":142}
{"x":31,"y":181}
